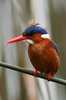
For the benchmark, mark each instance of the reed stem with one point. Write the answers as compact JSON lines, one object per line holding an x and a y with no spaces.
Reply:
{"x":29,"y":72}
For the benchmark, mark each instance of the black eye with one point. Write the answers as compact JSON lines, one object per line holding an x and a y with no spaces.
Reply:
{"x":30,"y":34}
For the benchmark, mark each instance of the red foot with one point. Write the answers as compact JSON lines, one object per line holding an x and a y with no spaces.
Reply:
{"x":48,"y":76}
{"x":35,"y":72}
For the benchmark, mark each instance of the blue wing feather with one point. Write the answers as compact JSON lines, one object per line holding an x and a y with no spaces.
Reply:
{"x":54,"y":45}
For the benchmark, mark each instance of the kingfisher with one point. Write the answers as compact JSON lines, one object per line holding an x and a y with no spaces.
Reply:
{"x":43,"y":52}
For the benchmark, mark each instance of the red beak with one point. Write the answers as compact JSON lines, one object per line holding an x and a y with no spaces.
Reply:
{"x":19,"y":38}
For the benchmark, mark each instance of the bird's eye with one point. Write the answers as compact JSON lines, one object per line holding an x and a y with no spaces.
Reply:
{"x":27,"y":34}
{"x":30,"y":34}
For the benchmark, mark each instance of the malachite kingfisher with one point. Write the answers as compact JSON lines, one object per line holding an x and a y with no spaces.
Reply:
{"x":42,"y":51}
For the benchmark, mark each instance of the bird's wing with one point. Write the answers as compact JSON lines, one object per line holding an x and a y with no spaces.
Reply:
{"x":54,"y":45}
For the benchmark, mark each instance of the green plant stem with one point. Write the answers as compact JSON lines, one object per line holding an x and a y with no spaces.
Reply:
{"x":40,"y":75}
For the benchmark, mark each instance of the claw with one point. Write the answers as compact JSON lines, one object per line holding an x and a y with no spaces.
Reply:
{"x":48,"y":76}
{"x":35,"y":72}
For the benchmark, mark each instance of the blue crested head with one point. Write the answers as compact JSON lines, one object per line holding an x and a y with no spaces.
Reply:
{"x":32,"y":29}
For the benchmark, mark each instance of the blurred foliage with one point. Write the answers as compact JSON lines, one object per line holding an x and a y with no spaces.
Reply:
{"x":14,"y":17}
{"x":58,"y":26}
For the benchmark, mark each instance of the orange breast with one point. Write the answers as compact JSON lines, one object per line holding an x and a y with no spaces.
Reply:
{"x":43,"y":57}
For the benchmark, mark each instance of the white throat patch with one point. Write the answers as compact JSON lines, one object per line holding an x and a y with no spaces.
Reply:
{"x":45,"y":36}
{"x":29,"y":41}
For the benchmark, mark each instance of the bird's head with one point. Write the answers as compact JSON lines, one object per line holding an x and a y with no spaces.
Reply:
{"x":32,"y":34}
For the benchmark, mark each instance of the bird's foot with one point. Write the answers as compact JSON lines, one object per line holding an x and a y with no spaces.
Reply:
{"x":48,"y":76}
{"x":35,"y":72}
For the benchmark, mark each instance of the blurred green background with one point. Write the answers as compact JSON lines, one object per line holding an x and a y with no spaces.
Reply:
{"x":14,"y":18}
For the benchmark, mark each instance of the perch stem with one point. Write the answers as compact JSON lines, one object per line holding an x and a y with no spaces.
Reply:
{"x":29,"y":72}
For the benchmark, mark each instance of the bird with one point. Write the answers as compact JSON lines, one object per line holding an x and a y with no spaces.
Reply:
{"x":42,"y":51}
